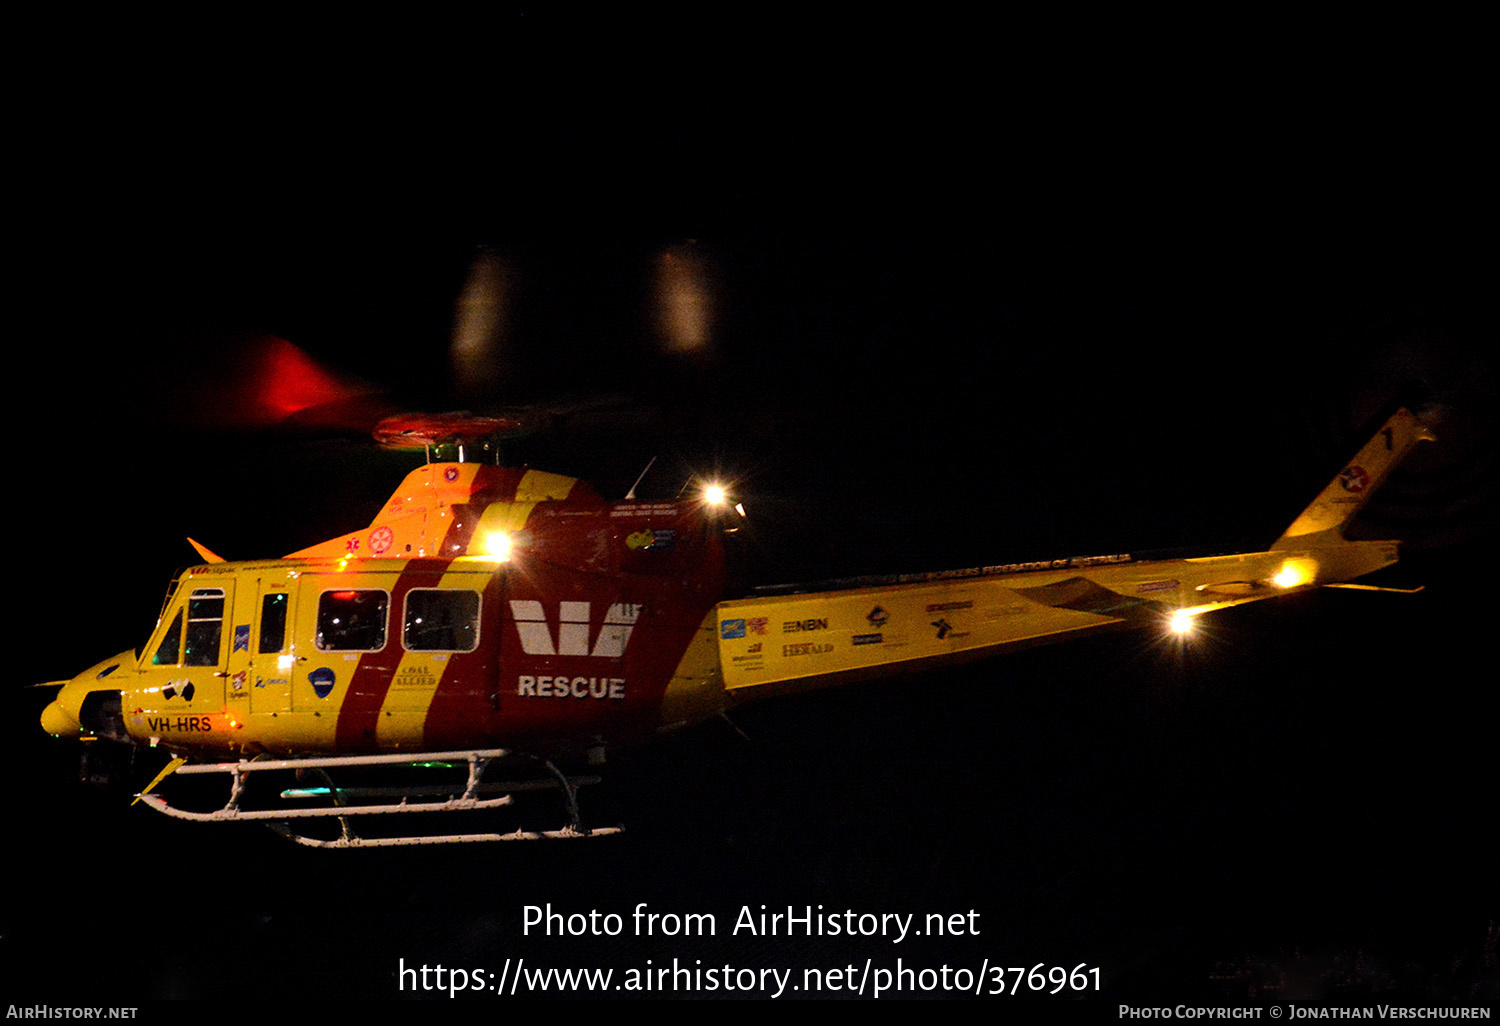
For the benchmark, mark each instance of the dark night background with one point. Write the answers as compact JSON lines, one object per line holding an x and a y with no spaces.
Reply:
{"x":957,"y":319}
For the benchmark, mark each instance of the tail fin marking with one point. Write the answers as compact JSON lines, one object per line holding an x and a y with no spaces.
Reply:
{"x":1347,"y":493}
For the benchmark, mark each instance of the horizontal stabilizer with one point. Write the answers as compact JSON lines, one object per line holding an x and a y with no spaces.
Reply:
{"x":1373,"y":587}
{"x":203,"y":551}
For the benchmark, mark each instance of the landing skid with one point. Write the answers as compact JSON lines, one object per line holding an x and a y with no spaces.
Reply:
{"x":389,"y":800}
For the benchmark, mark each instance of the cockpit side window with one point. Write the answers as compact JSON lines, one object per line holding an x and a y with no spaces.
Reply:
{"x":205,"y":627}
{"x":170,"y":649}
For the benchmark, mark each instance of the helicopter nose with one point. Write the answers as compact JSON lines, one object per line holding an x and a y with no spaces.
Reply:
{"x":60,"y":721}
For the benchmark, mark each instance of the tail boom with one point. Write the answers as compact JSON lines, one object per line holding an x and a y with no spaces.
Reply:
{"x":776,"y":643}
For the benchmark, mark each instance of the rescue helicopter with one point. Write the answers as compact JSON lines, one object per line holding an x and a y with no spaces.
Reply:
{"x":491,"y":617}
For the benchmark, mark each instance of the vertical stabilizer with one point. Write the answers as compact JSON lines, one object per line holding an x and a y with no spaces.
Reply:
{"x":1347,"y":493}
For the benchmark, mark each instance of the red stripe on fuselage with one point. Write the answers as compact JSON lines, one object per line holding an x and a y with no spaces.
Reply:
{"x":466,"y":701}
{"x":359,"y":715}
{"x":461,"y":530}
{"x":360,"y":712}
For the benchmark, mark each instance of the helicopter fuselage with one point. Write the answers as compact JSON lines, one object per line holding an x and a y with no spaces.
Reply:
{"x":483,"y":606}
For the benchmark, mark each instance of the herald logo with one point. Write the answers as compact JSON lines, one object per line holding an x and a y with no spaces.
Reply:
{"x":573,"y":629}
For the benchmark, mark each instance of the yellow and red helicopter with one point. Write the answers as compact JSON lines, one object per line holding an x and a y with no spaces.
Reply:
{"x":488,"y":616}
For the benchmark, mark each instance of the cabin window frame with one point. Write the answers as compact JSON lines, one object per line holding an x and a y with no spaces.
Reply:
{"x":477,"y":619}
{"x":385,"y":620}
{"x":280,"y":618}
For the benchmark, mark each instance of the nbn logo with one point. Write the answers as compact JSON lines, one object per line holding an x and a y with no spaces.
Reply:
{"x":573,"y":629}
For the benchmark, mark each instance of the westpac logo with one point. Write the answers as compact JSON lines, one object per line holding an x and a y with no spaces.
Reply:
{"x":573,"y":628}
